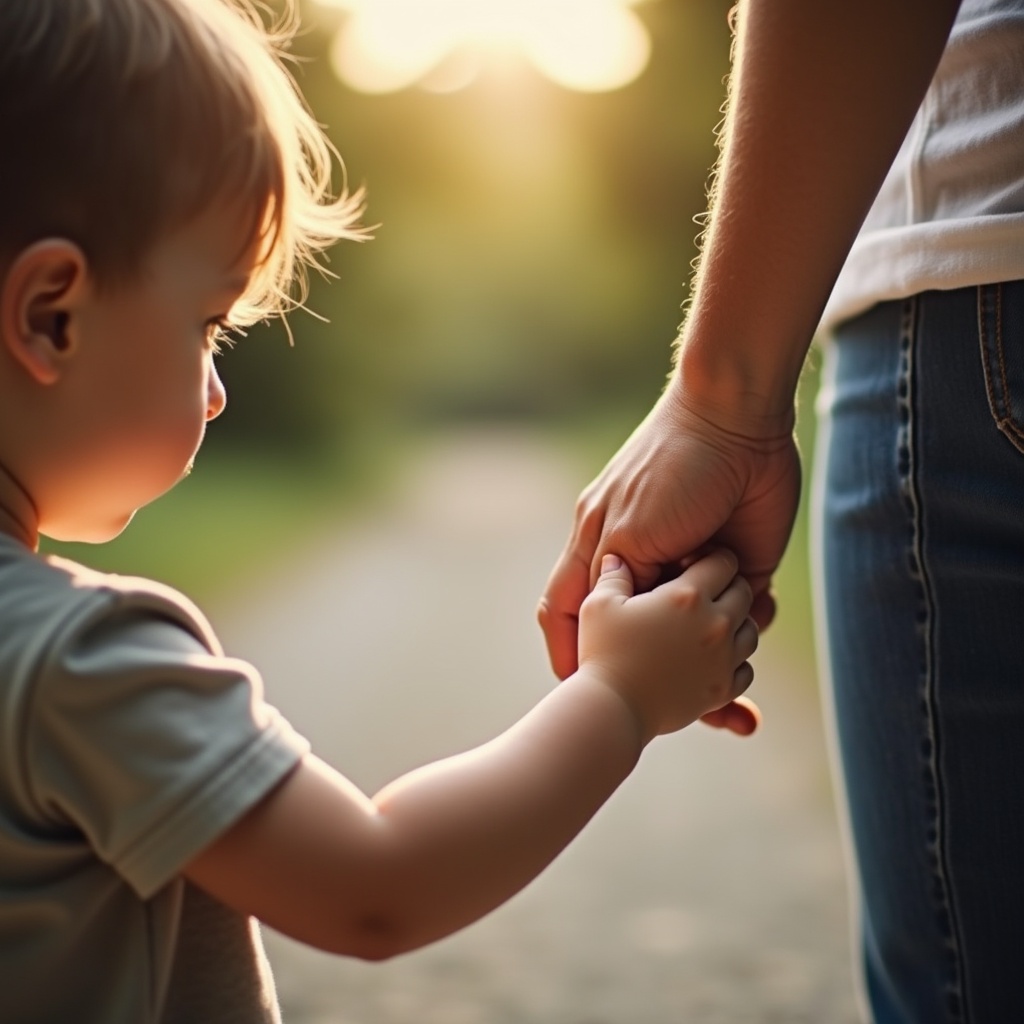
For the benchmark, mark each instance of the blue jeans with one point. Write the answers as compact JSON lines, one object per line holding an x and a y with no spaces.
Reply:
{"x":919,"y":544}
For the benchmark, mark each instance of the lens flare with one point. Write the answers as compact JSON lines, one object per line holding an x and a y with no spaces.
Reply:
{"x":387,"y":45}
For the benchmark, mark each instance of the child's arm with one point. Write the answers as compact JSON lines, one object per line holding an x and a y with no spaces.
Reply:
{"x":445,"y":844}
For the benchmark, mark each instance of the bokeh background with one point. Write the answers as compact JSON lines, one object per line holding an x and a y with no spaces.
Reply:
{"x":529,"y":268}
{"x":372,"y":519}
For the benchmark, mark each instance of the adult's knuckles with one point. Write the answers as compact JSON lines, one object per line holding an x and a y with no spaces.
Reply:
{"x":589,"y":512}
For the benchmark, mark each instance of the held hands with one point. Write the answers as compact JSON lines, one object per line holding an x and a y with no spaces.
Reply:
{"x":676,"y":652}
{"x":690,"y":474}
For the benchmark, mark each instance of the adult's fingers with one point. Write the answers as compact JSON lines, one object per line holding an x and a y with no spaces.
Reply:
{"x":740,"y":716}
{"x":559,"y":609}
{"x":646,"y":573}
{"x":762,"y":611}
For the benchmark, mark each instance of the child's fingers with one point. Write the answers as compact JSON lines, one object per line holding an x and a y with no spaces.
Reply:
{"x":712,"y":573}
{"x":746,"y":639}
{"x":742,"y":678}
{"x":736,"y":599}
{"x":694,"y":556}
{"x":615,"y":577}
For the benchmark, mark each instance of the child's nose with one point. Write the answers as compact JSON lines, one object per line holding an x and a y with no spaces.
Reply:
{"x":216,"y":396}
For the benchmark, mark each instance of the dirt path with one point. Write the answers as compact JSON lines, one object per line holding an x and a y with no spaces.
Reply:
{"x":710,"y":890}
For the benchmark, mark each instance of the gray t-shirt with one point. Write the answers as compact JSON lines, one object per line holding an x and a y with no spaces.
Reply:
{"x":128,"y":743}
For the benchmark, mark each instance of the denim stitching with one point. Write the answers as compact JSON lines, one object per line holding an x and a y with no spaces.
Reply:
{"x":1006,"y":421}
{"x":993,"y":362}
{"x":993,"y":401}
{"x":956,"y":1004}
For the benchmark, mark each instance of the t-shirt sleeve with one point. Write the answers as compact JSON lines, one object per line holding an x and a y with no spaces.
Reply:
{"x":148,"y":740}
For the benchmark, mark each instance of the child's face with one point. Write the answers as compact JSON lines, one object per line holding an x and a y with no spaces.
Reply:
{"x":142,"y":385}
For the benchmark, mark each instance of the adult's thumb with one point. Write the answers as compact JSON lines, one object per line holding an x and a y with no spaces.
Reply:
{"x":615,"y":577}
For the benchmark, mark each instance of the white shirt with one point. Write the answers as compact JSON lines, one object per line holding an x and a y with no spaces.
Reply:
{"x":950,"y":213}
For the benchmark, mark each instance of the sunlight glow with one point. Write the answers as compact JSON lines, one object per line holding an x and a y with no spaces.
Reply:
{"x":386,"y":45}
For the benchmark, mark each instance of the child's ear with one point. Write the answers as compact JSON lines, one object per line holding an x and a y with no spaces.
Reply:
{"x":40,"y":292}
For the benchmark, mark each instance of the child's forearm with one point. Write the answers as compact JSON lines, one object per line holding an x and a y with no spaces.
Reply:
{"x":434,"y":850}
{"x":445,"y":844}
{"x":461,"y":836}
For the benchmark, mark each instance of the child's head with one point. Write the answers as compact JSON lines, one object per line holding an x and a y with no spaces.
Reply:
{"x":159,"y":172}
{"x":122,"y":119}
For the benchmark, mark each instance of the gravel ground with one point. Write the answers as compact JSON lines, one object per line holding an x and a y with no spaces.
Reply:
{"x":709,"y":890}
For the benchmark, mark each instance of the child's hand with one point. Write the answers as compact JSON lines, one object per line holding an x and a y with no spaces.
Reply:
{"x":677,"y":652}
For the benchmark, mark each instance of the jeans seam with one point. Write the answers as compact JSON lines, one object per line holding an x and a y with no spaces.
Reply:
{"x":998,"y":391}
{"x":957,"y":1009}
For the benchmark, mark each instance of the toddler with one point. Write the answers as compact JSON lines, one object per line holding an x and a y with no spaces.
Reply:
{"x":161,"y":182}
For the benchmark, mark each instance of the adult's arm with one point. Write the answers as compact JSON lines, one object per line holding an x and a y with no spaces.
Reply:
{"x":821,"y":96}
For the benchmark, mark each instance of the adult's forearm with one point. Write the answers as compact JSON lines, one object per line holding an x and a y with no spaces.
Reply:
{"x":821,"y":97}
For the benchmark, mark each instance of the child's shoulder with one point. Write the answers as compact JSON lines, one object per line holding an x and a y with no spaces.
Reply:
{"x":45,"y":593}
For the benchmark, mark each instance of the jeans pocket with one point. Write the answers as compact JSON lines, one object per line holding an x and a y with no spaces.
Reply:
{"x":1001,"y":334}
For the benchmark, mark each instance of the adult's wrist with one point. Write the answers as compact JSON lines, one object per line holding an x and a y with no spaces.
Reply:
{"x":748,"y":392}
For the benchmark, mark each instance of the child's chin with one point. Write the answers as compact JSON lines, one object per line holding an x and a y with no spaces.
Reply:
{"x":88,"y":533}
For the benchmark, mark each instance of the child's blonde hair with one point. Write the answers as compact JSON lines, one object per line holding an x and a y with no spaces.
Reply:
{"x":121,"y":119}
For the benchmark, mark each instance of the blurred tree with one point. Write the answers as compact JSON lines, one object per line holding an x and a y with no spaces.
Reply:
{"x":532,"y":255}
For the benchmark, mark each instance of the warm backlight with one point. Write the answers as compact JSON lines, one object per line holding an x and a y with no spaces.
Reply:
{"x":386,"y":45}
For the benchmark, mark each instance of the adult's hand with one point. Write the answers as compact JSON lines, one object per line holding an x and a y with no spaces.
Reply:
{"x":688,"y":475}
{"x":807,"y":141}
